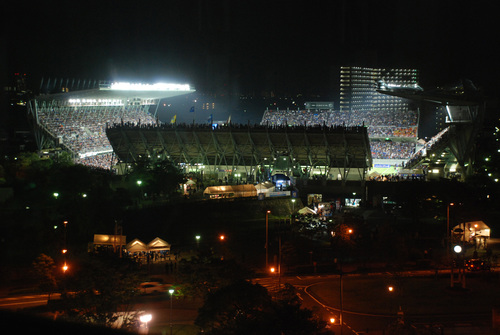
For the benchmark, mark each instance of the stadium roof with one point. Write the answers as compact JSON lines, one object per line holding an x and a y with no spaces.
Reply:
{"x":344,"y":147}
{"x":121,"y":90}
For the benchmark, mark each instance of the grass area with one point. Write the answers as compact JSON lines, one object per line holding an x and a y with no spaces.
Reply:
{"x":415,"y":295}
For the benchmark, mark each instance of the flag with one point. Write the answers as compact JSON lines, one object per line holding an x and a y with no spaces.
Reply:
{"x":191,"y":110}
{"x":173,"y":119}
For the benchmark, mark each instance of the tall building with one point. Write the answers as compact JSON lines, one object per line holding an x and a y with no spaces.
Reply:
{"x":358,"y":88}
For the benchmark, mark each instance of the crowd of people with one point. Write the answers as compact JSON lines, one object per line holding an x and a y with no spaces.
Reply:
{"x":392,"y":150}
{"x":329,"y":117}
{"x":380,"y":124}
{"x":82,"y":130}
{"x":101,"y":161}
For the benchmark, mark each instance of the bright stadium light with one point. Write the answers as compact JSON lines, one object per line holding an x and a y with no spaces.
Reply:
{"x":125,"y":86}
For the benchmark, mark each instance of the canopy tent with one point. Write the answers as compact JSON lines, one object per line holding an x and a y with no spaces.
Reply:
{"x":231,"y":191}
{"x":136,"y":245}
{"x":158,"y":245}
{"x":265,"y":187}
{"x":476,"y":232}
{"x":306,"y":210}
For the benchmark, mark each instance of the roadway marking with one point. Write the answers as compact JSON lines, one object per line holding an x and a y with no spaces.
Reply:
{"x":23,"y":303}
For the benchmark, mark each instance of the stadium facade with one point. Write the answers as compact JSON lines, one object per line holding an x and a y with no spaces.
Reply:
{"x":244,"y":153}
{"x":359,"y":85}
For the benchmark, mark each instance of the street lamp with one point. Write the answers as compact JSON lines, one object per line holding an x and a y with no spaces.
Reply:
{"x":267,"y":238}
{"x":448,"y":237}
{"x":145,"y":318}
{"x":171,"y":291}
{"x":197,"y":237}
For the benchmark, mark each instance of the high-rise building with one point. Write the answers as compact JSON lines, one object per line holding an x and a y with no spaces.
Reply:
{"x":358,"y":88}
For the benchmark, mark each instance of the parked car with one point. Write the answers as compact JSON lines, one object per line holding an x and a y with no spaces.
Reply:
{"x":153,"y":287}
{"x":477,"y":265}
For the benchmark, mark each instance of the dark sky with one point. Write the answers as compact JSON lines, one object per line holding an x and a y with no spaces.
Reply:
{"x":252,"y":46}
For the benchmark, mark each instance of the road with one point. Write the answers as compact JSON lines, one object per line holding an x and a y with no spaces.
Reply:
{"x":469,"y":309}
{"x":18,"y":302}
{"x":321,"y":294}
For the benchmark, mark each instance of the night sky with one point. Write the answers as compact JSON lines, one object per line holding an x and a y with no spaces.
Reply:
{"x":249,"y":47}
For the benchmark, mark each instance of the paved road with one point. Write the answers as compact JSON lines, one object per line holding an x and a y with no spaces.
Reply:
{"x":322,"y":294}
{"x":25,"y":301}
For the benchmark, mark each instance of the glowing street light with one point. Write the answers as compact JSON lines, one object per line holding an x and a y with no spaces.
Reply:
{"x":448,"y":237}
{"x":145,"y":318}
{"x":171,"y":291}
{"x":267,"y":238}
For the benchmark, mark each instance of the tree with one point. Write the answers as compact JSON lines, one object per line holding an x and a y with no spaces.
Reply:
{"x":245,"y":308}
{"x":204,"y":274}
{"x":44,"y":268}
{"x":104,"y":289}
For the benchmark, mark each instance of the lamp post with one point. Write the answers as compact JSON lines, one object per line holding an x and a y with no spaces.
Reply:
{"x":267,"y":238}
{"x":145,"y":318}
{"x":171,"y":291}
{"x":448,"y":237}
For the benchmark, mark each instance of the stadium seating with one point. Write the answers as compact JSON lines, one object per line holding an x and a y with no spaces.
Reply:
{"x":82,"y":129}
{"x":381,"y":125}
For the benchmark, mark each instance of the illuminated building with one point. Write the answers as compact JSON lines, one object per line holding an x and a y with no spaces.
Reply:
{"x":358,"y":88}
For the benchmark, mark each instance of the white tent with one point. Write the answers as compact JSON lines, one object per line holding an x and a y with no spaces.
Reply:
{"x":265,"y":187}
{"x":136,"y":245}
{"x":158,"y":245}
{"x":306,"y":210}
{"x":475,"y":231}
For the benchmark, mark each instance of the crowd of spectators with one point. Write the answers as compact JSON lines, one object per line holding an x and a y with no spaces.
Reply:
{"x":83,"y":129}
{"x":392,"y":150}
{"x":380,"y":124}
{"x":104,"y":161}
{"x":398,"y":119}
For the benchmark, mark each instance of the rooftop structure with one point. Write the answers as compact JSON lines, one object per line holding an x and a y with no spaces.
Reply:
{"x":358,"y":88}
{"x":253,"y":153}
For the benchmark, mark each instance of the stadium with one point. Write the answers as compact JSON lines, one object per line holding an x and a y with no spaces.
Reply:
{"x":111,"y":125}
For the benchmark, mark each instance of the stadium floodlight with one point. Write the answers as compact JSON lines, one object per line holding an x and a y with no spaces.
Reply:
{"x":125,"y":86}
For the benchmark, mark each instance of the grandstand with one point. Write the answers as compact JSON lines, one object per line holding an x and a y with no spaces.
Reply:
{"x":73,"y":116}
{"x":451,"y":152}
{"x":392,"y":134}
{"x":244,"y":153}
